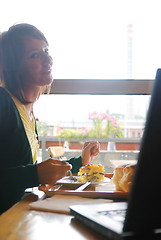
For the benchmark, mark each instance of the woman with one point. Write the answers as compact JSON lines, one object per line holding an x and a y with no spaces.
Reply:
{"x":25,"y":73}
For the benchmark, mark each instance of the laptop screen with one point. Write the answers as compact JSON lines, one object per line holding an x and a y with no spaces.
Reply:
{"x":144,"y":207}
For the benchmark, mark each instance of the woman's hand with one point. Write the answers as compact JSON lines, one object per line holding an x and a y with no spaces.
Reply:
{"x":50,"y":171}
{"x":90,"y":149}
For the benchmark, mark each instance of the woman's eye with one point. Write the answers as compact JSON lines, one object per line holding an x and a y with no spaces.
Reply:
{"x":47,"y":51}
{"x":34,"y":55}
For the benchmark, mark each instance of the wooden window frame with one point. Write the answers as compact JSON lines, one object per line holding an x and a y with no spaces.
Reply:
{"x":100,"y":86}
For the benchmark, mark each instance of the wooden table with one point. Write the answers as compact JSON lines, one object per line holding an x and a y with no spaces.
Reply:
{"x":21,"y":223}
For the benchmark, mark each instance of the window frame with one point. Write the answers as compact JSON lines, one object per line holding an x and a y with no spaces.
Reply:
{"x":101,"y":86}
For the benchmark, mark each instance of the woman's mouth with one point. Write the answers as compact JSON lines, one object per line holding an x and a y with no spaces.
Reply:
{"x":47,"y":71}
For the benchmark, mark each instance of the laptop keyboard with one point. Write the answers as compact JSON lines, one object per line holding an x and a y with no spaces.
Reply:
{"x":117,"y":215}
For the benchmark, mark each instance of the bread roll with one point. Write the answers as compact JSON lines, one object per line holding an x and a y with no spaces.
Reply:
{"x":56,"y":151}
{"x":123,"y":176}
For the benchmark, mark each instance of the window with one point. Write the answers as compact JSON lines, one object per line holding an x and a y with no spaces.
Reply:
{"x":73,"y":111}
{"x":104,"y":52}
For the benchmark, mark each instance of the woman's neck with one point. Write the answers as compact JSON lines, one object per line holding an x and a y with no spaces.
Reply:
{"x":29,"y":109}
{"x":31,"y":97}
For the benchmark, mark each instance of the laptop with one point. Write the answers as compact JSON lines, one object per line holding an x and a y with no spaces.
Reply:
{"x":140,"y":216}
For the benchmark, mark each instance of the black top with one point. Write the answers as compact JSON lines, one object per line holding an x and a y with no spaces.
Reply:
{"x":17,"y":171}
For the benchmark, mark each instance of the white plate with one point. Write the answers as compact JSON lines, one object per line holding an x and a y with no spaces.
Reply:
{"x":106,"y":190}
{"x":68,"y":181}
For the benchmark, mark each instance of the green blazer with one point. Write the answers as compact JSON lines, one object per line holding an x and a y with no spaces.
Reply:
{"x":17,"y":171}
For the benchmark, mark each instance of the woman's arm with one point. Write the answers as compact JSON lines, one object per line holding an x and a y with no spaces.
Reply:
{"x":89,"y":150}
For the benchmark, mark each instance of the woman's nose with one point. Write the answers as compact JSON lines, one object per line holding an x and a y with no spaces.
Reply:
{"x":48,"y":59}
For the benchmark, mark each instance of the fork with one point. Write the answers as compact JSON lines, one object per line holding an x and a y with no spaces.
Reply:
{"x":71,"y":177}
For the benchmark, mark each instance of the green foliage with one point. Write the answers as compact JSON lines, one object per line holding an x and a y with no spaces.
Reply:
{"x":71,"y":133}
{"x":104,"y":126}
{"x":41,"y":128}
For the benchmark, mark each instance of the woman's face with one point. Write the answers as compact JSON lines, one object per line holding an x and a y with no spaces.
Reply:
{"x":36,"y":64}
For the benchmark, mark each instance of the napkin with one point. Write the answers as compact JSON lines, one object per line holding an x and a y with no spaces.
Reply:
{"x":61,"y":203}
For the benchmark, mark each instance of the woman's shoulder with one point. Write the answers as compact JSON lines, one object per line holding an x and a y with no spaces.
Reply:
{"x":8,"y":113}
{"x":4,"y":96}
{"x":3,"y":93}
{"x":7,"y":105}
{"x":2,"y":90}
